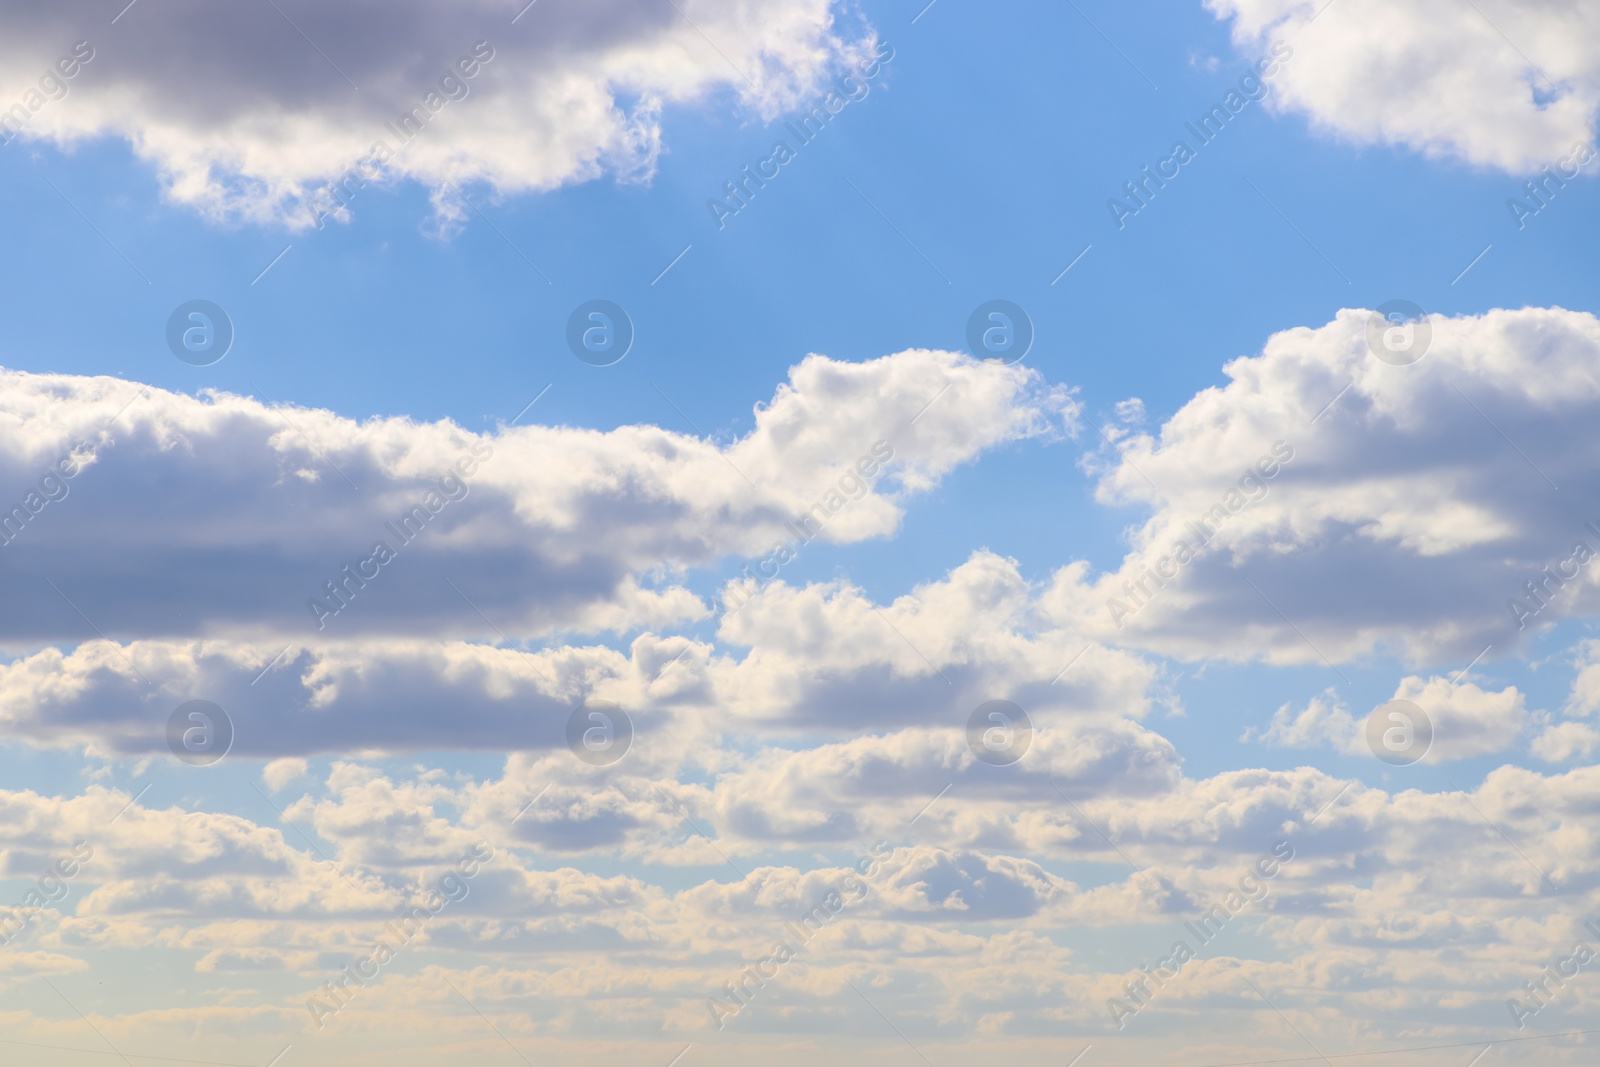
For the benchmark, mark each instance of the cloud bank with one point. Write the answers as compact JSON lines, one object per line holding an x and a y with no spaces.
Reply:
{"x":231,"y":517}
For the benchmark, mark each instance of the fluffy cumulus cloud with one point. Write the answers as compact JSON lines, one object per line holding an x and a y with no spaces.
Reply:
{"x":826,"y":657}
{"x":1464,"y":719}
{"x":821,"y":661}
{"x":806,"y":836}
{"x":301,"y":522}
{"x":802,"y":772}
{"x":1574,"y":735}
{"x":1513,"y":84}
{"x":1325,"y":503}
{"x":248,"y":110}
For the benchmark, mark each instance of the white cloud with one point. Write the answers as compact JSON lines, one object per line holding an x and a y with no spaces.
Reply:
{"x":823,"y":662}
{"x":1323,"y":723}
{"x":538,"y":528}
{"x":826,"y":656}
{"x":244,"y":110}
{"x":1466,"y":720}
{"x":280,"y":772}
{"x":1564,"y":740}
{"x":1442,"y":908}
{"x":1500,"y":83}
{"x":1584,"y":699}
{"x":821,"y":720}
{"x":1409,"y":515}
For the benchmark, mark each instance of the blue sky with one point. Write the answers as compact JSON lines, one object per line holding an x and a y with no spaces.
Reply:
{"x":810,"y":267}
{"x":586,"y":560}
